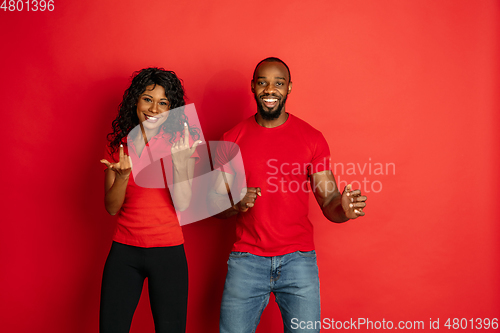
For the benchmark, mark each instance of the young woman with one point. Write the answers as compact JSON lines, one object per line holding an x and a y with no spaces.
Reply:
{"x":148,"y":240}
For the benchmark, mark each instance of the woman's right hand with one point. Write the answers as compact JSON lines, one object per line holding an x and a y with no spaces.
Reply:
{"x":123,"y":168}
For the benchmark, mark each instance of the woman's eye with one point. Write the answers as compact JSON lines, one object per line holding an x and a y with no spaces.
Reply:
{"x":147,"y":99}
{"x":163,"y":103}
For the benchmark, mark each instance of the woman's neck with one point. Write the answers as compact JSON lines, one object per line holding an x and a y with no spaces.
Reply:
{"x":141,"y":139}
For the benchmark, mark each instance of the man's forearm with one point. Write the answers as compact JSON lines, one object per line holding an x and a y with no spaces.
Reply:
{"x":333,"y":210}
{"x":215,"y":201}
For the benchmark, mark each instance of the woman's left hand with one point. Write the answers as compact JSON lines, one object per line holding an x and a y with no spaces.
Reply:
{"x":181,"y":152}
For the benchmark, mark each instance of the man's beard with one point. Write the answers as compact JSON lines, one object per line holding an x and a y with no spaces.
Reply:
{"x":270,"y":115}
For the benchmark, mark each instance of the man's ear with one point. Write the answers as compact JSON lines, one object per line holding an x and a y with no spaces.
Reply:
{"x":289,"y":87}
{"x":252,"y":86}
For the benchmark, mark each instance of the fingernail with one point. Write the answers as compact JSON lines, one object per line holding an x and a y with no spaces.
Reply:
{"x":121,"y":145}
{"x":350,"y":205}
{"x":259,"y":194}
{"x":185,"y":124}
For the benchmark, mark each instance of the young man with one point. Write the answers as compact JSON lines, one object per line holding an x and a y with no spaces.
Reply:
{"x":274,"y":250}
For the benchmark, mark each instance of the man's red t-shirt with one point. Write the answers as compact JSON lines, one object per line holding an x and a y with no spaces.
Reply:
{"x":279,"y":160}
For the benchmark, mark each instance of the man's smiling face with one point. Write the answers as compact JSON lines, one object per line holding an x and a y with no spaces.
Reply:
{"x":271,"y":86}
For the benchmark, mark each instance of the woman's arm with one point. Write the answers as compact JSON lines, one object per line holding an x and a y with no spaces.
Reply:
{"x":115,"y":182}
{"x":183,"y":179}
{"x":183,"y":165}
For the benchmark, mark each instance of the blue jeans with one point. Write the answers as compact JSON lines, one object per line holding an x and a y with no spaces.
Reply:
{"x":293,"y":278}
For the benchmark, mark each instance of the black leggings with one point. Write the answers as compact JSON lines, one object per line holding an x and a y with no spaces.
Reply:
{"x":124,"y":273}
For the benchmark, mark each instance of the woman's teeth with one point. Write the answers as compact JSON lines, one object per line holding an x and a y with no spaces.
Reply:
{"x":151,"y":119}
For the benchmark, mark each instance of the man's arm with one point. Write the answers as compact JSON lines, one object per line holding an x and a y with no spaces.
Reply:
{"x":219,"y":195}
{"x":335,"y":206}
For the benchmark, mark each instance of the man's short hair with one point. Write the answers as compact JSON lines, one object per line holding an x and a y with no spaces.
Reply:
{"x":273,"y":59}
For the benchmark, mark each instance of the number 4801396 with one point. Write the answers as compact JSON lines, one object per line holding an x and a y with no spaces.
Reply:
{"x":27,"y":5}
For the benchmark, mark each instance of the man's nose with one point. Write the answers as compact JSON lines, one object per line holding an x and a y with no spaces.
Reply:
{"x":270,"y":88}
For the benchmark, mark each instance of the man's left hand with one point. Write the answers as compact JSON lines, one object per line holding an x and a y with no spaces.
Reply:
{"x":353,"y":202}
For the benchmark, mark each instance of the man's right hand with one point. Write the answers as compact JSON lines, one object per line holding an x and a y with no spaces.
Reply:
{"x":248,"y":200}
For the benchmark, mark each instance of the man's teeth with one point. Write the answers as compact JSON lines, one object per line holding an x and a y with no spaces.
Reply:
{"x":270,"y":100}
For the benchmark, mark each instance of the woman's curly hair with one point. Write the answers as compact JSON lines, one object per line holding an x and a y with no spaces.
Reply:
{"x":127,"y":115}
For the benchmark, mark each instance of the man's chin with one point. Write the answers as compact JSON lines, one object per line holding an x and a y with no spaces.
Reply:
{"x":269,"y":115}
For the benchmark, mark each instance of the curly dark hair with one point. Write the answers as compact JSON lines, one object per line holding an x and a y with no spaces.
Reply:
{"x":127,"y":115}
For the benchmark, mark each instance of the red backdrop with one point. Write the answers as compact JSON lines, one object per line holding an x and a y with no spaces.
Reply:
{"x":406,"y":88}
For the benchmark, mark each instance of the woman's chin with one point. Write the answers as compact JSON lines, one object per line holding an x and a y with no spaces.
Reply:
{"x":153,"y":126}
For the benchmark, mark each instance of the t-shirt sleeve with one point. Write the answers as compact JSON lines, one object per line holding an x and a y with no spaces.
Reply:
{"x":321,"y":155}
{"x":223,"y":155}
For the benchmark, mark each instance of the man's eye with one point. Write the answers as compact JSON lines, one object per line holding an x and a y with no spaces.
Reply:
{"x":279,"y":83}
{"x":261,"y":83}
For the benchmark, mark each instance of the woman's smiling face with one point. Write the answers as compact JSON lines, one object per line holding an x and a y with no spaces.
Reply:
{"x":153,"y":107}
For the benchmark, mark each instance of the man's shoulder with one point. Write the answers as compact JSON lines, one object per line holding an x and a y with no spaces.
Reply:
{"x":234,"y":133}
{"x":304,"y":126}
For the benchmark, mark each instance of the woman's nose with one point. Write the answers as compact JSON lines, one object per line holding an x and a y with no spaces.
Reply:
{"x":154,"y":108}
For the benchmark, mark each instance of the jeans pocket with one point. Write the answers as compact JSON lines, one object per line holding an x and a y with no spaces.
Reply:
{"x":239,"y":254}
{"x":308,"y":254}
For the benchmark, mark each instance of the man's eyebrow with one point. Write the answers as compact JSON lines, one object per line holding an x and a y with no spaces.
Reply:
{"x":276,"y":77}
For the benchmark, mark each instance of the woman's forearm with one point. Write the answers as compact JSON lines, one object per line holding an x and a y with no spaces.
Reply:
{"x":114,"y":197}
{"x":182,"y":187}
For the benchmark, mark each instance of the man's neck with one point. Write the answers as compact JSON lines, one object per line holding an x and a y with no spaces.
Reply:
{"x":272,"y":123}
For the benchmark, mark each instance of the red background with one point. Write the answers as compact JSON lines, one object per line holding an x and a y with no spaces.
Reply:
{"x":414,"y":83}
